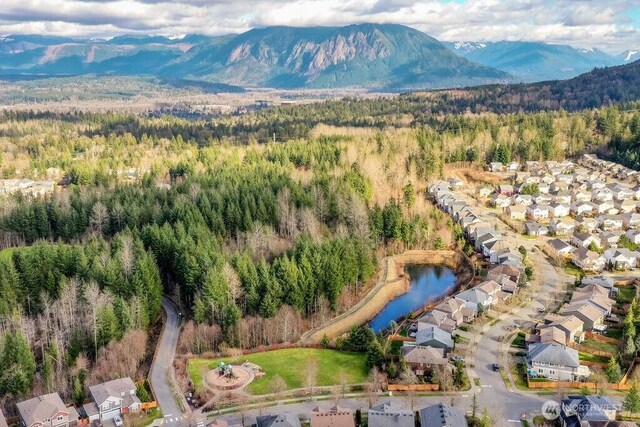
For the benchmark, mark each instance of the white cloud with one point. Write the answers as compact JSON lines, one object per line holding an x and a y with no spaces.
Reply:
{"x":584,"y":23}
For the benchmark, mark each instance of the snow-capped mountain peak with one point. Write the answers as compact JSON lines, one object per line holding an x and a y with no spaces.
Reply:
{"x":469,"y":46}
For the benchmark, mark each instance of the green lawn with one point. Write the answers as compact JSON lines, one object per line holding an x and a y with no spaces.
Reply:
{"x":518,"y":341}
{"x":601,"y":346}
{"x":290,"y":365}
{"x":614,"y":333}
{"x":592,"y":357}
{"x":625,"y":295}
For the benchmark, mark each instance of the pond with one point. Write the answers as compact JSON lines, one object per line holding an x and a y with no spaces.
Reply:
{"x":428,"y":283}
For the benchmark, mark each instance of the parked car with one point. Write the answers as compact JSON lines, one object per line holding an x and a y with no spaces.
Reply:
{"x":495,"y":367}
{"x":542,"y":310}
{"x":118,"y":421}
{"x":457,"y":359}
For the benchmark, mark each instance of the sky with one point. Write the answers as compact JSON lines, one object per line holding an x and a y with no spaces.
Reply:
{"x":612,"y":25}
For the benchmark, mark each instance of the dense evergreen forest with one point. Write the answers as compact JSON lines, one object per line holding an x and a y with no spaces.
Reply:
{"x":257,"y":241}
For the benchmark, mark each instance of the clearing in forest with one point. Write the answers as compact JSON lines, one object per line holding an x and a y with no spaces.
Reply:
{"x":292,"y":364}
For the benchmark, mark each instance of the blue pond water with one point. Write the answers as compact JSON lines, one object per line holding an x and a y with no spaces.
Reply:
{"x":428,"y":283}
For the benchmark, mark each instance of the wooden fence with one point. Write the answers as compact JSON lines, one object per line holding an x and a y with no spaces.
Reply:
{"x":413,"y":387}
{"x":576,"y":384}
{"x":602,"y":338}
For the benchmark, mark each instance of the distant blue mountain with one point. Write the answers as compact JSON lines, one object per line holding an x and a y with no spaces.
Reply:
{"x":534,"y":61}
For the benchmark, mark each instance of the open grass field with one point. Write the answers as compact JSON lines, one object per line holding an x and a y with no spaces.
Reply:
{"x":333,"y":366}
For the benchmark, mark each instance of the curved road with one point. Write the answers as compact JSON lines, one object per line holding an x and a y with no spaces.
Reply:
{"x":162,"y":375}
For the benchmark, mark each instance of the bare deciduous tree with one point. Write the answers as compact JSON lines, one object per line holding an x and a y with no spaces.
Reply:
{"x":277,"y":386}
{"x":311,"y":374}
{"x":99,"y":218}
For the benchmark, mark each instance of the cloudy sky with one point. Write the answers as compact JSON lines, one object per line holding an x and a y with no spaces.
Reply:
{"x":613,"y":25}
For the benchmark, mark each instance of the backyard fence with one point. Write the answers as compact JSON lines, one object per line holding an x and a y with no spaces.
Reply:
{"x":413,"y":387}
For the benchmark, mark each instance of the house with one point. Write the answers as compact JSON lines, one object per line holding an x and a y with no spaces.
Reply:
{"x":621,"y":258}
{"x":440,"y":319}
{"x":561,"y":227}
{"x":476,"y":299}
{"x":633,"y":235}
{"x":585,"y":224}
{"x":626,"y":206}
{"x":585,"y":240}
{"x":279,"y":420}
{"x":588,"y":260}
{"x":490,"y":287}
{"x":581,"y":208}
{"x":610,"y":222}
{"x":441,"y":415}
{"x":422,"y":359}
{"x":592,"y":410}
{"x":560,"y":248}
{"x":535,"y":229}
{"x":542,"y":199}
{"x":558,"y":210}
{"x":516,"y":212}
{"x":452,"y":307}
{"x":564,"y":198}
{"x":522,"y":199}
{"x":602,"y":195}
{"x":390,"y":414}
{"x":495,"y":167}
{"x":603,"y":207}
{"x":483,"y":191}
{"x":550,"y":335}
{"x":572,"y":327}
{"x":438,"y":187}
{"x":556,"y":362}
{"x":336,"y":416}
{"x":432,"y":336}
{"x":513,"y":167}
{"x":605,"y":282}
{"x":578,"y":196}
{"x":610,"y":239}
{"x":590,"y":315}
{"x":114,"y":398}
{"x":511,"y":272}
{"x":596,"y":295}
{"x":538,"y":212}
{"x":631,"y":220}
{"x":505,"y":190}
{"x":506,"y":284}
{"x":46,"y":411}
{"x":544,"y":187}
{"x":500,"y":201}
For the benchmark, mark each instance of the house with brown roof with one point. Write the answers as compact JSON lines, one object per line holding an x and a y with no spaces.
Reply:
{"x":572,"y":328}
{"x":422,"y":359}
{"x":47,"y":411}
{"x":508,"y":270}
{"x":590,"y":315}
{"x":588,"y":260}
{"x":440,"y":319}
{"x":336,"y":416}
{"x":452,"y":308}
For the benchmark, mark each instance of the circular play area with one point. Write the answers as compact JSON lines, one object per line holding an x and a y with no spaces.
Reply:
{"x":229,"y":377}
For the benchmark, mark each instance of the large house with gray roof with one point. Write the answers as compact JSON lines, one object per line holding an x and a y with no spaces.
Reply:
{"x":390,"y":414}
{"x":556,"y":362}
{"x":112,"y":399}
{"x":441,"y":415}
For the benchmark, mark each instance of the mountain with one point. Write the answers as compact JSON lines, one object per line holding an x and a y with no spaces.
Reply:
{"x":384,"y":57}
{"x":534,"y":61}
{"x":367,"y":55}
{"x":628,"y":56}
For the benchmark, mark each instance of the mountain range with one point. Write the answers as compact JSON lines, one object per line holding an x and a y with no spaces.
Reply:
{"x":372,"y":56}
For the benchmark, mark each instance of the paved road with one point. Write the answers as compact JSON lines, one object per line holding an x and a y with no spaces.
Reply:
{"x":162,"y":375}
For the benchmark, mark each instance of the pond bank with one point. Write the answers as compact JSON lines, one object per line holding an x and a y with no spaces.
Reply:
{"x":392,"y":282}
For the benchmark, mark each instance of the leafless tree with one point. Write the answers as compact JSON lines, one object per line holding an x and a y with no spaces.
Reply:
{"x":126,"y":255}
{"x":444,"y":377}
{"x":286,"y":214}
{"x":233,"y":282}
{"x":311,"y":374}
{"x":277,"y":386}
{"x":99,"y":218}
